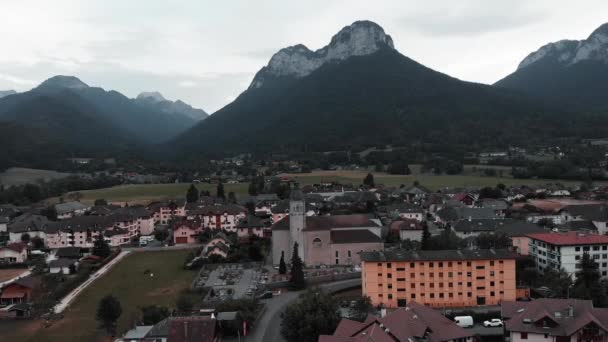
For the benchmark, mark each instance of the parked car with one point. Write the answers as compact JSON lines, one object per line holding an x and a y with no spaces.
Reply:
{"x":464,"y":321}
{"x":494,"y":322}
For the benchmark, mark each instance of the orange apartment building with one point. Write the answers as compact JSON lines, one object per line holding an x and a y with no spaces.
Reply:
{"x":446,"y":278}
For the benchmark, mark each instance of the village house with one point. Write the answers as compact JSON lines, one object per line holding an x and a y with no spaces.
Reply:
{"x":445,"y":278}
{"x":553,"y":319}
{"x":250,"y":226}
{"x":176,"y":329}
{"x":327,"y":240}
{"x":164,"y":211}
{"x":30,"y":224}
{"x":405,"y":211}
{"x":70,"y":209}
{"x":414,"y":322}
{"x":81,"y":231}
{"x":218,"y":245}
{"x":19,"y":291}
{"x":187,"y":231}
{"x":596,"y":213}
{"x":407,"y":229}
{"x":225,"y":216}
{"x":13,"y":253}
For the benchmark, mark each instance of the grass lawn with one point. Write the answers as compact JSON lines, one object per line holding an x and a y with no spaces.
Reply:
{"x":128,"y":283}
{"x":149,"y":192}
{"x":471,"y":176}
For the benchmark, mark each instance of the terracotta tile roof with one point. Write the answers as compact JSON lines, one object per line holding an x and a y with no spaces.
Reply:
{"x":570,"y":238}
{"x":412,"y":323}
{"x":16,"y":246}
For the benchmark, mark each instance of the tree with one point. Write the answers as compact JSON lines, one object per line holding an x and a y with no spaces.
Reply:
{"x":192,"y":194}
{"x":495,"y":241}
{"x":25,"y":238}
{"x":220,"y":191}
{"x":37,"y":242}
{"x":252,"y":189}
{"x":315,"y":313}
{"x":50,"y":212}
{"x":254,"y":252}
{"x":425,"y":243}
{"x":100,"y":201}
{"x":232,"y":197}
{"x":399,"y":167}
{"x":184,"y":303}
{"x":32,"y":193}
{"x":587,"y":284}
{"x":296,"y":281}
{"x":369,"y":180}
{"x":489,"y":192}
{"x":101,"y":248}
{"x":282,"y":266}
{"x":363,"y":306}
{"x":153,"y":314}
{"x":108,"y":312}
{"x":161,"y":234}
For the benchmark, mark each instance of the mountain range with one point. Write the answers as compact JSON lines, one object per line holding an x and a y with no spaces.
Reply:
{"x":360,"y":91}
{"x":357,"y":91}
{"x":63,"y":116}
{"x":573,"y":73}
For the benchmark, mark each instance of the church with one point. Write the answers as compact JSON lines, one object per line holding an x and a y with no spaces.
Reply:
{"x":324,"y":240}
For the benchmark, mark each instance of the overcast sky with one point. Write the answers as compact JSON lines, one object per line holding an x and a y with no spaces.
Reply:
{"x":207,"y":52}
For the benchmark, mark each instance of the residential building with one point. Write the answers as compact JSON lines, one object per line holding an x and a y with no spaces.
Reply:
{"x":405,"y":211}
{"x":187,"y":231}
{"x":565,"y":250}
{"x":414,"y":322}
{"x":596,"y":213}
{"x":250,"y":226}
{"x":13,"y":253}
{"x":324,"y":240}
{"x":30,"y":224}
{"x":19,"y":291}
{"x":164,"y":211}
{"x":407,"y":229}
{"x":224,"y":216}
{"x":444,"y":278}
{"x":176,"y":329}
{"x":70,"y":209}
{"x":552,"y":319}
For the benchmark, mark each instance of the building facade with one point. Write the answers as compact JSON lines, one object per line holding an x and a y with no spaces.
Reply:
{"x":447,"y":278}
{"x":565,"y":250}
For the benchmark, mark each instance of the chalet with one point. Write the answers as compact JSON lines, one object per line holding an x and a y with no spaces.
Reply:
{"x":552,"y":319}
{"x":19,"y":291}
{"x":218,"y":245}
{"x":414,"y":322}
{"x":12,"y":253}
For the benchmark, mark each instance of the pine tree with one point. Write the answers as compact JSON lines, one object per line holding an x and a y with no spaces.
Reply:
{"x":297,"y":281}
{"x":425,"y":243}
{"x":101,"y":247}
{"x":192,"y":194}
{"x":587,"y":284}
{"x":220,"y":191}
{"x":282,"y":266}
{"x":369,"y":180}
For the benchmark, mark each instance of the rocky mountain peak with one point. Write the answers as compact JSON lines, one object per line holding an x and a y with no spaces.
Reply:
{"x":358,"y":39}
{"x":568,"y":52}
{"x":60,"y":81}
{"x":152,"y":95}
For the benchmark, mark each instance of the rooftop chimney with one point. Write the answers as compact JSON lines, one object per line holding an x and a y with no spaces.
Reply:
{"x":570,"y":311}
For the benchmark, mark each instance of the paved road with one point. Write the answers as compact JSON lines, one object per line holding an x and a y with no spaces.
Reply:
{"x":268,"y":327}
{"x":63,"y":304}
{"x":162,"y":248}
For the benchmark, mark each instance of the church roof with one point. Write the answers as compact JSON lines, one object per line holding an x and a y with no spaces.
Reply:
{"x":354,"y":236}
{"x":329,"y":222}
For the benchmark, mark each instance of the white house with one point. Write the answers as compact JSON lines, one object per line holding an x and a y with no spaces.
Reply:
{"x":62,"y":266}
{"x":13,"y":253}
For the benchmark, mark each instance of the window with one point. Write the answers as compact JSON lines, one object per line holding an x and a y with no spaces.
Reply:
{"x":390,"y":296}
{"x":400,"y":279}
{"x":413,"y":296}
{"x":349,"y":254}
{"x":492,"y":293}
{"x":469,"y":284}
{"x":441,"y":295}
{"x":389,"y":276}
{"x":432,"y":295}
{"x":480,"y":267}
{"x":432,"y":285}
{"x":413,"y":286}
{"x":491,"y":262}
{"x":316,"y":242}
{"x":449,"y":264}
{"x":450,"y":274}
{"x":412,"y":275}
{"x":440,"y":264}
{"x":596,"y":248}
{"x":491,"y":273}
{"x":337,"y":254}
{"x":379,"y":274}
{"x":469,"y":274}
{"x":379,"y":264}
{"x":389,"y":265}
{"x":390,"y":286}
{"x":491,"y":283}
{"x":469,"y":294}
{"x":578,"y":257}
{"x":523,"y":335}
{"x":412,"y":264}
{"x":400,"y":269}
{"x":468,"y":263}
{"x":431,"y":264}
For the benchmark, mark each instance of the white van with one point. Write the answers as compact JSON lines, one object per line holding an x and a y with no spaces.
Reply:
{"x":464,"y":321}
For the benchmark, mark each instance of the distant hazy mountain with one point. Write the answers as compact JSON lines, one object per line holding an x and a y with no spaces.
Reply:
{"x":157,"y":101}
{"x":569,"y":72}
{"x":63,"y":116}
{"x":360,"y":91}
{"x":4,"y":93}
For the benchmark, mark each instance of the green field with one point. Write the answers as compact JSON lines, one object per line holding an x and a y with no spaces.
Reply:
{"x":125,"y":281}
{"x":151,"y":192}
{"x":470,"y":177}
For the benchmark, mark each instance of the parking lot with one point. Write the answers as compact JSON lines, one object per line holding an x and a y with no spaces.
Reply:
{"x":232,"y":281}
